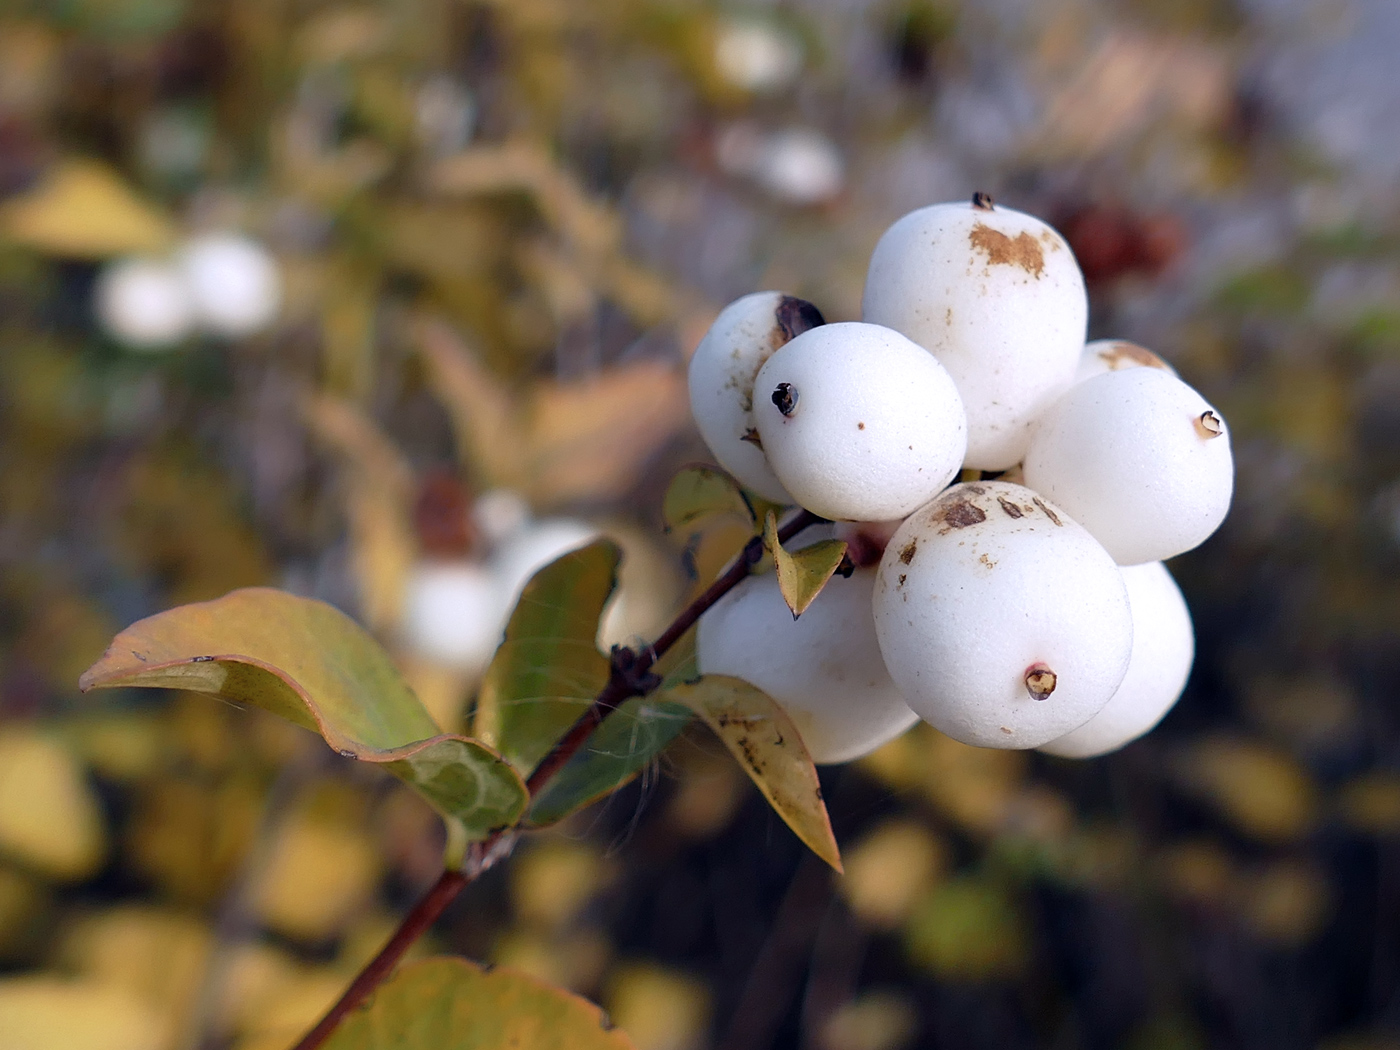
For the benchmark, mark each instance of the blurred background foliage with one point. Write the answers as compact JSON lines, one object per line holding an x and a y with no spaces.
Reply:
{"x":501,"y":225}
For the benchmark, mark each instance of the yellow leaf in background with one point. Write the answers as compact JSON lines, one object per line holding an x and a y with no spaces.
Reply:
{"x":1371,"y":803}
{"x":889,"y":870}
{"x":52,"y":1013}
{"x":660,"y":1008}
{"x":292,"y":1007}
{"x":968,"y":929}
{"x":50,"y":819}
{"x":319,"y":874}
{"x":554,"y":879}
{"x":156,"y":955}
{"x":190,"y":836}
{"x":973,"y":786}
{"x":575,"y":961}
{"x":1261,"y":790}
{"x":709,"y":789}
{"x":1286,"y":902}
{"x":121,"y":747}
{"x":24,"y":914}
{"x":1197,"y":872}
{"x":871,"y":1021}
{"x":82,"y":209}
{"x":766,"y":743}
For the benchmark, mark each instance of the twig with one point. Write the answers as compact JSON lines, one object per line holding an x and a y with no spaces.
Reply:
{"x":631,"y":676}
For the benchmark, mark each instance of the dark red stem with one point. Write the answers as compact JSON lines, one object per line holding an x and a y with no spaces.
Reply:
{"x":631,"y":676}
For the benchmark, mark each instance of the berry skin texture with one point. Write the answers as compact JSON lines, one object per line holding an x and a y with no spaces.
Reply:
{"x":144,"y":304}
{"x":235,"y":283}
{"x":858,"y":422}
{"x":997,"y":297}
{"x":1164,"y":646}
{"x":722,"y":372}
{"x":823,"y":668}
{"x":1002,"y":622}
{"x":1139,"y":459}
{"x":1115,"y":355}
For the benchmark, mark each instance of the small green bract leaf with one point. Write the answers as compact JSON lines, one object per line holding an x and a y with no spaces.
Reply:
{"x":451,"y":1004}
{"x":548,"y":669}
{"x":618,"y":750}
{"x":803,"y":573}
{"x":311,"y":664}
{"x":763,"y":738}
{"x":701,"y":492}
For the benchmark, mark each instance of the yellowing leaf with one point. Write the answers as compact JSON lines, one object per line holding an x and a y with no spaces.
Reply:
{"x":889,"y":869}
{"x":50,"y":1013}
{"x":761,"y":736}
{"x":803,"y":573}
{"x":660,"y":1008}
{"x":967,"y":929}
{"x":49,"y":817}
{"x":84,"y":210}
{"x":319,"y":874}
{"x":1261,"y":790}
{"x":311,"y":664}
{"x":701,"y":492}
{"x":548,"y":669}
{"x":451,"y":1004}
{"x":553,"y":880}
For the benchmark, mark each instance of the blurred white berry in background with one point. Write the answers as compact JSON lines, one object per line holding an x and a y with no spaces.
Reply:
{"x":534,"y":546}
{"x":997,"y":297}
{"x":453,"y":614}
{"x":499,"y":514}
{"x":1164,"y":645}
{"x":756,"y":55}
{"x":824,"y":668}
{"x":1002,"y":622}
{"x":234,"y":282}
{"x":1139,"y":459}
{"x":797,"y":165}
{"x":144,"y":304}
{"x":444,"y":115}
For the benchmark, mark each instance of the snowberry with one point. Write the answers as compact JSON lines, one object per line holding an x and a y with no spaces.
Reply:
{"x":537,"y":544}
{"x":144,"y":304}
{"x":234,"y":281}
{"x":858,"y":422}
{"x":1139,"y":459}
{"x":453,"y":614}
{"x":1163,"y":647}
{"x":823,"y":668}
{"x":1002,"y":622}
{"x":722,"y":372}
{"x":1114,"y":355}
{"x":997,"y":297}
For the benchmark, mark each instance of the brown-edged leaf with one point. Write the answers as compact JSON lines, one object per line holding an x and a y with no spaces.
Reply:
{"x":766,"y":743}
{"x":311,"y":664}
{"x":82,"y":209}
{"x":701,"y":492}
{"x":451,"y":1004}
{"x":802,"y":573}
{"x":548,"y":669}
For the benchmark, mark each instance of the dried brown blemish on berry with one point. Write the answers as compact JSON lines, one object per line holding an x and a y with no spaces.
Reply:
{"x":902,"y":578}
{"x":1123,"y":354}
{"x":1006,"y":730}
{"x":976,"y":490}
{"x":1023,"y":251}
{"x":983,"y":201}
{"x":1209,"y":425}
{"x":907,"y":554}
{"x":860,"y":426}
{"x":985,"y":560}
{"x":1012,"y":511}
{"x":1048,"y":512}
{"x":1040,"y":681}
{"x":795,"y":316}
{"x":961,"y":513}
{"x":751,"y":436}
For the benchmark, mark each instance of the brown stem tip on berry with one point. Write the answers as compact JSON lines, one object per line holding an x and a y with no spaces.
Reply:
{"x":795,"y":316}
{"x":1040,"y":681}
{"x":983,"y":201}
{"x":785,"y":398}
{"x":1208,"y":425}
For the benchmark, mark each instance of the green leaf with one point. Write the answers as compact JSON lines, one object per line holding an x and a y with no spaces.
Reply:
{"x":548,"y":669}
{"x":701,"y":492}
{"x":618,"y":750}
{"x":451,"y":1004}
{"x":764,"y":740}
{"x":802,"y":573}
{"x":313,"y":665}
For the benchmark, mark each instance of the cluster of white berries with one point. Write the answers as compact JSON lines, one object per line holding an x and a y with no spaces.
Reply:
{"x":1025,"y":608}
{"x":222,"y":283}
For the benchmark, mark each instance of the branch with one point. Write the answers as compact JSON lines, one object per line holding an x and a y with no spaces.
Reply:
{"x":631,"y":676}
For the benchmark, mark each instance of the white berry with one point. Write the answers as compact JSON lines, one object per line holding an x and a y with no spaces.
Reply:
{"x":1164,"y":646}
{"x":537,"y":544}
{"x":235,"y":283}
{"x":453,"y":614}
{"x":858,"y":422}
{"x":722,"y":372}
{"x":144,"y":304}
{"x":1139,"y":459}
{"x":823,"y":668}
{"x":1002,"y":622}
{"x":1114,"y":355}
{"x":997,"y":297}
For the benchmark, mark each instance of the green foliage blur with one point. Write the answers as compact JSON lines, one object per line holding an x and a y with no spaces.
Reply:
{"x":500,"y":227}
